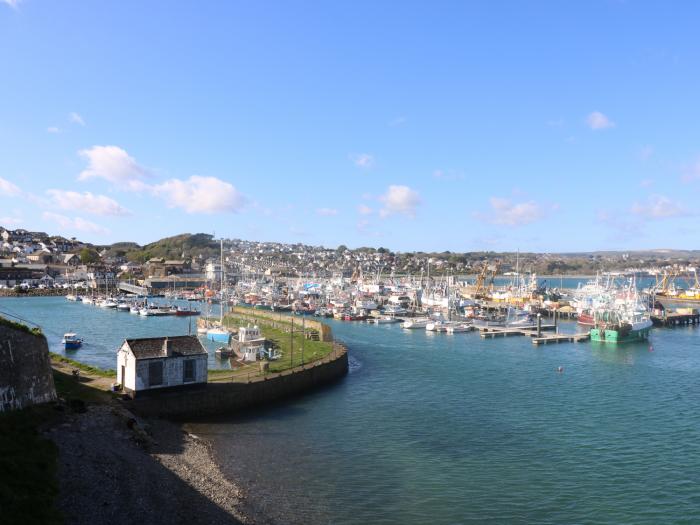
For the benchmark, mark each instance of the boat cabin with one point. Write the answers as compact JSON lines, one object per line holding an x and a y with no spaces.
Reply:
{"x":156,"y":363}
{"x":250,"y":345}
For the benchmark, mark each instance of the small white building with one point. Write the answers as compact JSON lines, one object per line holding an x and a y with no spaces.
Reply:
{"x":161,"y":362}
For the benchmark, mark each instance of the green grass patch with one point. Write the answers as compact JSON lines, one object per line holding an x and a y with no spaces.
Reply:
{"x":70,"y":388}
{"x":290,"y":348}
{"x":28,"y":464}
{"x":82,"y":366}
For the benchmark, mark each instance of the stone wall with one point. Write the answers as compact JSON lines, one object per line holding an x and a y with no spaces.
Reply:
{"x":217,"y":399}
{"x":25,"y":369}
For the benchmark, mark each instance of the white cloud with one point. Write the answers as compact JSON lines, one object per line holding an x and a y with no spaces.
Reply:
{"x":7,"y":189}
{"x":363,"y":209}
{"x":598,"y":120}
{"x":401,"y":200}
{"x":327,"y":212}
{"x":75,"y":224}
{"x":645,"y":153}
{"x":74,"y":118}
{"x":200,"y":195}
{"x":645,"y":183}
{"x":363,"y":160}
{"x":53,"y":129}
{"x":658,"y":207}
{"x":513,"y":214}
{"x":10,"y":222}
{"x":114,"y":165}
{"x":12,"y":3}
{"x":87,"y":202}
{"x":447,"y":175}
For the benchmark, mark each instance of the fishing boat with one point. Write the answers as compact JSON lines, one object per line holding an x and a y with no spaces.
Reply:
{"x":611,"y":327}
{"x":415,"y":324}
{"x":459,"y":328}
{"x":180,"y":311}
{"x":123,"y":307}
{"x":71,"y":341}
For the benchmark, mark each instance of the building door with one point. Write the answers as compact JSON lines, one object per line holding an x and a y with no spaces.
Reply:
{"x":123,"y":382}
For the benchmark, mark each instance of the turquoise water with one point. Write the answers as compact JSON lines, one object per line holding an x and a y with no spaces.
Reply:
{"x":433,"y":428}
{"x":102,"y":329}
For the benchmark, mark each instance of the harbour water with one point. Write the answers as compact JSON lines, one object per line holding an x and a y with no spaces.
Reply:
{"x":445,"y":428}
{"x":103,"y":329}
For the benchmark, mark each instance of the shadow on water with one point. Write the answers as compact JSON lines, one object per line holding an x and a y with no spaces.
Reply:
{"x":625,"y":353}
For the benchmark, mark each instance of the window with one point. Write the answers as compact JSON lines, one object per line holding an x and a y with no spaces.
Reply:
{"x":155,"y":373}
{"x":188,"y":371}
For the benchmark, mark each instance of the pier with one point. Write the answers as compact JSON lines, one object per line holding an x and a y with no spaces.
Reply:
{"x":676,"y":319}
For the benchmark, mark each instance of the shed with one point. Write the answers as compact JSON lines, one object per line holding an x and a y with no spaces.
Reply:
{"x":161,"y":362}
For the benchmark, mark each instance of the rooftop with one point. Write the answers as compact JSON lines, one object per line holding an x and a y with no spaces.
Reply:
{"x":175,"y":346}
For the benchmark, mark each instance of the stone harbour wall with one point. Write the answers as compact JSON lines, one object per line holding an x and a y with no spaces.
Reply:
{"x":25,"y":368}
{"x":218,"y":399}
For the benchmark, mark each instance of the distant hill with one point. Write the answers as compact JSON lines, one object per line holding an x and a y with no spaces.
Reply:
{"x":189,"y":246}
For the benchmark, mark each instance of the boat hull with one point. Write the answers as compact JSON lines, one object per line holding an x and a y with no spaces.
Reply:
{"x":614,"y":336}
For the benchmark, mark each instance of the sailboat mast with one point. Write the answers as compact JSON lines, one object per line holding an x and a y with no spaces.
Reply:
{"x":223,"y":274}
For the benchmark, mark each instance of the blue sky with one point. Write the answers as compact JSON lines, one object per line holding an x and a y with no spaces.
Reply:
{"x":543,"y":125}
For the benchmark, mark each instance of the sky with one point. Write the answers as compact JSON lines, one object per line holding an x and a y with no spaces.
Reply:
{"x":471,"y":125}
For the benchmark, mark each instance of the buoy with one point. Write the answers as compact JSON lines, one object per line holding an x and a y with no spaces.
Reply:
{"x":560,"y":369}
{"x":651,"y":348}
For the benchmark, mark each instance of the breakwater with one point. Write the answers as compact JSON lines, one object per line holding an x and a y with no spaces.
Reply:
{"x":216,"y":399}
{"x":324,"y":331}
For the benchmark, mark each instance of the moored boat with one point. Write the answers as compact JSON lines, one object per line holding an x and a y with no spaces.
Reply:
{"x":71,"y":341}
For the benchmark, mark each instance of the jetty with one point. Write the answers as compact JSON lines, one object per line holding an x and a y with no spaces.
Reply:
{"x":676,"y":319}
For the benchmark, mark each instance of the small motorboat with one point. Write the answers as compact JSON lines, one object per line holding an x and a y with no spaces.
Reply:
{"x":71,"y":341}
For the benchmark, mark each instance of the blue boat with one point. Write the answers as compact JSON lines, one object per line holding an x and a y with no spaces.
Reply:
{"x":71,"y":341}
{"x":219,"y":335}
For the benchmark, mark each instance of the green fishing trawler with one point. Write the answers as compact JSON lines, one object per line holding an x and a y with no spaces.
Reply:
{"x":616,"y":327}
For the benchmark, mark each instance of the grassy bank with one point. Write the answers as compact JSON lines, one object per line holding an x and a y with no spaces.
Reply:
{"x":294,"y":347}
{"x":58,"y":358}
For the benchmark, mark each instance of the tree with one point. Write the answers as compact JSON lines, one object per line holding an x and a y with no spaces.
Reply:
{"x":89,"y":256}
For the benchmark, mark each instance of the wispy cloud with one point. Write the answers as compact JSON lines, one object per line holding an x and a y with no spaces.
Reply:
{"x":398,"y":121}
{"x":14,"y":4}
{"x":645,"y":153}
{"x":75,"y":118}
{"x":363,"y":209}
{"x":53,"y":129}
{"x":691,"y":172}
{"x":401,"y":200}
{"x":10,"y":222}
{"x":658,"y":207}
{"x":363,"y":160}
{"x":508,"y":213}
{"x":8,"y":189}
{"x":86,"y":202}
{"x":327,"y":212}
{"x":74,"y":224}
{"x":113,"y":164}
{"x":447,"y":175}
{"x":597,"y":120}
{"x":200,"y":195}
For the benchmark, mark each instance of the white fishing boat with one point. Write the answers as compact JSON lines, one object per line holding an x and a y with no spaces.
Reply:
{"x":414,"y":324}
{"x":71,"y":341}
{"x":459,"y":328}
{"x":123,"y":307}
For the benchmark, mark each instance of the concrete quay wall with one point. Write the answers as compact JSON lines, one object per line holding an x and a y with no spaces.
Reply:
{"x":219,"y":399}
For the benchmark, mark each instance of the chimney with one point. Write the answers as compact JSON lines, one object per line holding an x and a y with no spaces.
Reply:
{"x":167,"y":347}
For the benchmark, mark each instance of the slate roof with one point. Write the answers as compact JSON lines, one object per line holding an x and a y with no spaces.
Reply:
{"x":177,"y":346}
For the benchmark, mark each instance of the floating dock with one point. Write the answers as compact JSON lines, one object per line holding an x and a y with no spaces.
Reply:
{"x":539,"y":335}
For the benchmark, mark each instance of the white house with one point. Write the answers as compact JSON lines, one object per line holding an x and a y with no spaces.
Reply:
{"x":161,"y":362}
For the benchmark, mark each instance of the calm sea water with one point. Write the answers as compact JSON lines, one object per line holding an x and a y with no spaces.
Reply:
{"x":103,"y":330}
{"x":432,"y":428}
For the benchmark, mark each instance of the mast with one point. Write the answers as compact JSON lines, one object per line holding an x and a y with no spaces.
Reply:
{"x":223,"y":273}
